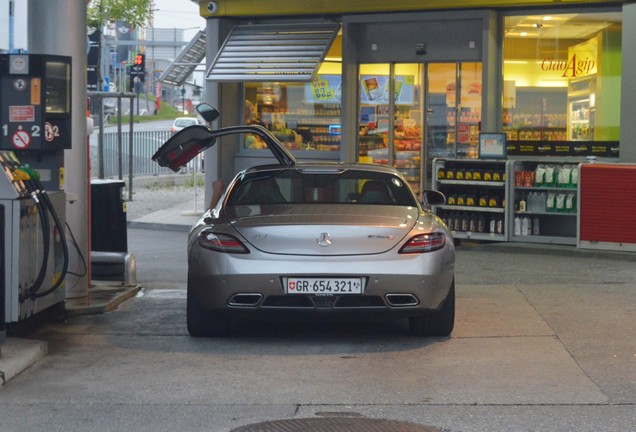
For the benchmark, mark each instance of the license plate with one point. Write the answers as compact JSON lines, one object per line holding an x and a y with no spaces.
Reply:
{"x":323,"y":286}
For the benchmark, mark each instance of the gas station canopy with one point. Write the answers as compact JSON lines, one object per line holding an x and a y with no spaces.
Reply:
{"x":186,"y":62}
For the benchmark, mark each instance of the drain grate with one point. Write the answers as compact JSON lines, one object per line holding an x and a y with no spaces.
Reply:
{"x":334,"y":425}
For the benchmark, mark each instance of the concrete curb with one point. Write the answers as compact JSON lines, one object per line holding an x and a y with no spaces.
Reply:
{"x":103,"y":298}
{"x":18,"y":354}
{"x":546,"y":249}
{"x":159,"y":226}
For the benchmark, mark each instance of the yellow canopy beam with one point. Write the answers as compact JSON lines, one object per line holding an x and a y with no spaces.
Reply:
{"x":243,"y":8}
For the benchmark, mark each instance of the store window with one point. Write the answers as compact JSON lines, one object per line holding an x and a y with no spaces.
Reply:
{"x":303,"y":115}
{"x":561,"y":78}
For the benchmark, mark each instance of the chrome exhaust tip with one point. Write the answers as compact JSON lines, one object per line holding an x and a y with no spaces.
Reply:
{"x":401,"y":300}
{"x":246,"y":299}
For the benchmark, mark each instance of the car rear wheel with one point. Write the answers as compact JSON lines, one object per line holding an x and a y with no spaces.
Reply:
{"x":438,"y":323}
{"x":202,"y":323}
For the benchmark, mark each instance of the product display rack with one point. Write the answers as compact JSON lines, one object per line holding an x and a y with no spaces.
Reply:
{"x":323,"y":129}
{"x":549,"y":208}
{"x":476,"y":197}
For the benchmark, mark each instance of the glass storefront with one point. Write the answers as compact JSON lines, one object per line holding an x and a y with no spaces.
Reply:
{"x":561,"y":77}
{"x":304,"y":116}
{"x":435,"y":112}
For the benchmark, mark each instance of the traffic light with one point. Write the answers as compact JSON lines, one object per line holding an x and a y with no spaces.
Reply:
{"x":138,"y":70}
{"x":140,"y":59}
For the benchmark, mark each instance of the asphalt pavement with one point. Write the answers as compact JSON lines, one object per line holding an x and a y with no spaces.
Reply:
{"x":543,"y":342}
{"x":17,"y":354}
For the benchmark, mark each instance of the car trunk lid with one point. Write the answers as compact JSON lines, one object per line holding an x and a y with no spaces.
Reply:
{"x":343,"y":229}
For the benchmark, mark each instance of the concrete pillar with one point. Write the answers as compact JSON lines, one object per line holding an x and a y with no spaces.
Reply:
{"x":628,"y":86}
{"x":212,"y":43}
{"x":59,"y":27}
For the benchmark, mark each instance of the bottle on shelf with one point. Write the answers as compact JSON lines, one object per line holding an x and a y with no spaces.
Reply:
{"x":517,"y":227}
{"x":481,"y":224}
{"x":536,"y":229}
{"x":472,"y":223}
{"x":531,"y":203}
{"x":500,"y":225}
{"x":525,"y":226}
{"x":523,"y":204}
{"x":465,"y":222}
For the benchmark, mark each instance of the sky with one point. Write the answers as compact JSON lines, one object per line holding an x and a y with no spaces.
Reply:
{"x":181,"y":14}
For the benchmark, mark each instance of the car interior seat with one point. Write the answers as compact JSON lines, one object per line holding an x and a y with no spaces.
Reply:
{"x":375,"y":192}
{"x":261,"y":192}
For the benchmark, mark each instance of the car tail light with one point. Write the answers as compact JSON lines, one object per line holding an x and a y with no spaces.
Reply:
{"x":424,"y":243}
{"x":221,"y":242}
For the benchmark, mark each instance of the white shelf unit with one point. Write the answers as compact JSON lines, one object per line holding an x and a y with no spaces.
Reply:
{"x":549,"y":226}
{"x":475,"y":209}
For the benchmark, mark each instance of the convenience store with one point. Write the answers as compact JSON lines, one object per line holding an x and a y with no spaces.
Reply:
{"x":411,"y":82}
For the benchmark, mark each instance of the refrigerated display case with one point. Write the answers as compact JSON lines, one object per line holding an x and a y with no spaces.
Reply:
{"x":581,"y":109}
{"x":544,"y":201}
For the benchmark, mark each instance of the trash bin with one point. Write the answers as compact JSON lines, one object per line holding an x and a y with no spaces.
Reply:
{"x":109,"y":238}
{"x":108,"y":216}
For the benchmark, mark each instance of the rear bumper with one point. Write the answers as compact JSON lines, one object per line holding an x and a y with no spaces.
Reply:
{"x":262,"y":296}
{"x":252,"y":285}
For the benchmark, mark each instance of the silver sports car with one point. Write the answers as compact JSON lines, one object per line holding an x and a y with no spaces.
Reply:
{"x":314,"y":241}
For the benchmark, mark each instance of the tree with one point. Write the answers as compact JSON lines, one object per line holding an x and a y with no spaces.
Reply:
{"x":137,"y":13}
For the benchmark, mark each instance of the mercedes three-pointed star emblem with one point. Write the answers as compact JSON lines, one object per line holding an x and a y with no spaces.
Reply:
{"x":324,"y":239}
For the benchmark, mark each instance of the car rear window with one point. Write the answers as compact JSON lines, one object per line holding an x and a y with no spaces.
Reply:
{"x":319,"y":187}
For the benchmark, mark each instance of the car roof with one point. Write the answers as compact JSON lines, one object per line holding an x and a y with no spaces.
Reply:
{"x":326,"y":167}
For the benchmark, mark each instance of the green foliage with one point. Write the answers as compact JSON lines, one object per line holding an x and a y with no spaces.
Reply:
{"x":166,"y":112}
{"x":134,"y":12}
{"x":200,"y":180}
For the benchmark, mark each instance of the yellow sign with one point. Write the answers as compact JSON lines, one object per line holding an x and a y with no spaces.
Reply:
{"x":36,"y":91}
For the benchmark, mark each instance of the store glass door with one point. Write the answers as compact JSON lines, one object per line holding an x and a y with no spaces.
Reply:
{"x":397,"y":131}
{"x":453,"y":108}
{"x":391,"y":128}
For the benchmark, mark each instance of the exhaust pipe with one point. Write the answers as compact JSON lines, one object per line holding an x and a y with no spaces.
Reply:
{"x":245,"y":299}
{"x":401,"y":300}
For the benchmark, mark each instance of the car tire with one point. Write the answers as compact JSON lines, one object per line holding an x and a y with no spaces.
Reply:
{"x":202,"y":323}
{"x":438,"y":323}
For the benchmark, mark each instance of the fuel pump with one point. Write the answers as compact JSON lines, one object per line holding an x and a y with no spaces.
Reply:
{"x":35,"y":128}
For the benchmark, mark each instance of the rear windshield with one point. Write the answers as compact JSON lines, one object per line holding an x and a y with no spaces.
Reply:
{"x":303,"y":187}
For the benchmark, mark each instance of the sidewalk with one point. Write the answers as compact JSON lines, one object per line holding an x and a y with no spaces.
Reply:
{"x":181,"y":217}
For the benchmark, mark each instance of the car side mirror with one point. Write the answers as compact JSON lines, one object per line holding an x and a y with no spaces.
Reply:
{"x":208,"y":112}
{"x":432,"y":197}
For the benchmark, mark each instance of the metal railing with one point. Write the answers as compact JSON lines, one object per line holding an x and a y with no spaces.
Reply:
{"x":118,"y":154}
{"x":144,"y":145}
{"x":116,"y":161}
